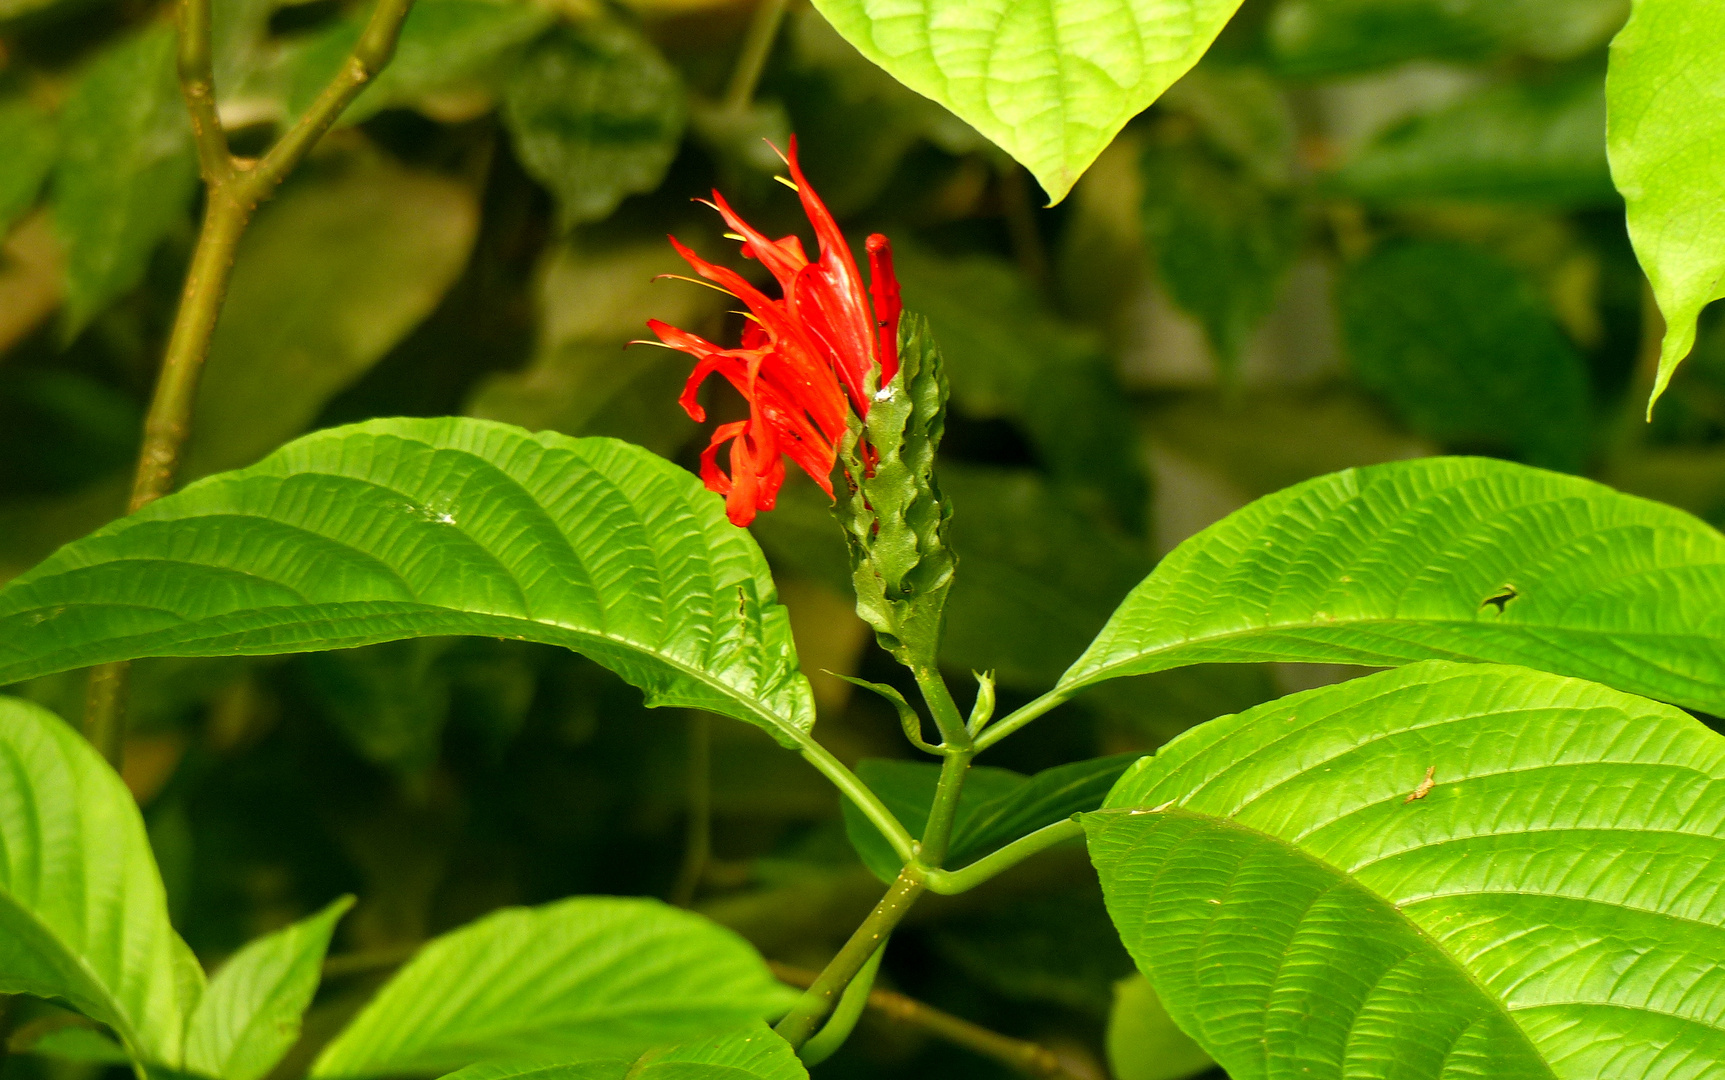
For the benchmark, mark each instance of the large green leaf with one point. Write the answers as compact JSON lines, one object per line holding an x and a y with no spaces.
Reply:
{"x":1441,"y":871}
{"x":29,"y":137}
{"x":126,"y":172}
{"x":588,"y":977}
{"x":996,"y":806}
{"x":83,"y":917}
{"x":1516,"y":143}
{"x":751,"y":1053}
{"x":413,"y":528}
{"x":334,"y":272}
{"x":1442,"y":558}
{"x":1144,"y":1043}
{"x":1049,"y":81}
{"x":250,"y":1013}
{"x":1466,"y":352}
{"x":596,"y":114}
{"x":1665,"y":101}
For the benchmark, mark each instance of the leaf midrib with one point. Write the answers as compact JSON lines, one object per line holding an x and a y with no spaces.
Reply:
{"x":104,"y":994}
{"x":401,"y":608}
{"x":1339,"y":875}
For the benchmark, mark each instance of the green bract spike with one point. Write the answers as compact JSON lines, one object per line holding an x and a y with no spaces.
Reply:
{"x":893,"y":514}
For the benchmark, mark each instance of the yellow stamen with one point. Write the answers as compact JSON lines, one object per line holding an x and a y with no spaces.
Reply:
{"x":789,"y":183}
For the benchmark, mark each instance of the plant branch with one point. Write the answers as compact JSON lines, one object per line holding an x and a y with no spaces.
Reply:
{"x":752,"y":60}
{"x":234,"y":191}
{"x":859,"y":793}
{"x":198,"y":86}
{"x":1027,"y":1057}
{"x":698,"y":844}
{"x":947,"y":718}
{"x":1020,"y":717}
{"x":944,"y":810}
{"x":950,"y":882}
{"x":806,"y":1015}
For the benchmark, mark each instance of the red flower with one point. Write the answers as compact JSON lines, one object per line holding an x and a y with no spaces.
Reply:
{"x":801,"y":356}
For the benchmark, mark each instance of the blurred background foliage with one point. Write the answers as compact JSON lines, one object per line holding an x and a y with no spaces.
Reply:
{"x":1360,"y":230}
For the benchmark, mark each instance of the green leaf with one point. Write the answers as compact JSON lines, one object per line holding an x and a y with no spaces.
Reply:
{"x":996,"y":807}
{"x":596,"y":114}
{"x":444,"y":45}
{"x":250,"y":1014}
{"x":1051,"y":945}
{"x":83,"y":917}
{"x":414,"y":528}
{"x":1453,"y":558}
{"x":1466,"y":352}
{"x":1465,"y":870}
{"x":1143,"y":1041}
{"x":1332,"y":37}
{"x":1221,"y":240}
{"x":1010,"y":358}
{"x":31,"y":143}
{"x":894,"y":518}
{"x":1517,"y":143}
{"x":126,"y":173}
{"x":751,"y":1053}
{"x":334,"y":272}
{"x":1666,"y":135}
{"x":76,"y":1042}
{"x":588,"y":977}
{"x":1050,"y":82}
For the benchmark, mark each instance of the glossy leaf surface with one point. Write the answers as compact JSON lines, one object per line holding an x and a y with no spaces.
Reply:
{"x":83,"y":916}
{"x":1049,"y":82}
{"x":751,"y":1053}
{"x":1441,"y":558}
{"x":1664,"y":95}
{"x":414,"y":528}
{"x":996,"y":807}
{"x":585,"y":978}
{"x":250,"y":1013}
{"x":1446,"y":871}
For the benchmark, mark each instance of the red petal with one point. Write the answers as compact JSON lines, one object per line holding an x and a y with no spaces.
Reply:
{"x":883,"y":289}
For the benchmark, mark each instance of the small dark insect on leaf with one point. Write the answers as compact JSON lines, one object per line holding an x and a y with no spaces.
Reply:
{"x":742,"y":603}
{"x":1501,"y":599}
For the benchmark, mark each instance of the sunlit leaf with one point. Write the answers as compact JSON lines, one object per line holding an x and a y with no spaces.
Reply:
{"x":250,"y":1013}
{"x":1666,"y":138}
{"x":414,"y":528}
{"x":83,"y":918}
{"x":126,"y":172}
{"x":596,"y":114}
{"x":751,"y":1053}
{"x":996,"y":807}
{"x":1466,"y":352}
{"x":584,"y":978}
{"x":1467,"y":870}
{"x":1051,"y":83}
{"x":30,"y":140}
{"x":1451,"y":558}
{"x":332,"y":274}
{"x":1143,"y":1041}
{"x":1517,"y":143}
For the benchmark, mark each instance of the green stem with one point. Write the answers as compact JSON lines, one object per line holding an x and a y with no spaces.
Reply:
{"x":752,"y":60}
{"x":1020,"y":717}
{"x":849,"y":1010}
{"x":806,"y":1015}
{"x":234,"y":191}
{"x":860,"y":794}
{"x":949,"y":882}
{"x":947,"y":718}
{"x":944,"y":810}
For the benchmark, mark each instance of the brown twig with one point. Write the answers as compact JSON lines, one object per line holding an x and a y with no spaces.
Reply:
{"x":235,"y":187}
{"x":1030,"y":1058}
